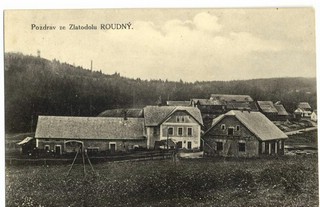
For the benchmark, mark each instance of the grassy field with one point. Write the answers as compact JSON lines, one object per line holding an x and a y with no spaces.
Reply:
{"x":283,"y":181}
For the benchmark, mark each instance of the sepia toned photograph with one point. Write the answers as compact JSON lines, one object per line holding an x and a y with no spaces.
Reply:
{"x":160,"y":107}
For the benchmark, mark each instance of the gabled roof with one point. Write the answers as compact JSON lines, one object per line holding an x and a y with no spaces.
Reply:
{"x":178,"y":103}
{"x":281,"y":110}
{"x":315,"y":111}
{"x":255,"y":122}
{"x":304,"y":105}
{"x":230,"y":98}
{"x":89,"y":127}
{"x":136,"y":113}
{"x":155,"y":115}
{"x":267,"y":107}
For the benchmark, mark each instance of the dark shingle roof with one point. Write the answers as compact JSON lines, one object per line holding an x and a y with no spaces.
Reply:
{"x":304,"y":105}
{"x":229,"y":97}
{"x":256,"y":122}
{"x":89,"y":127}
{"x":281,"y":110}
{"x":267,"y":107}
{"x":155,"y":115}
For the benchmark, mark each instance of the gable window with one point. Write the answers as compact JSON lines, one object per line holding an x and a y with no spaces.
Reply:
{"x":223,"y":126}
{"x":170,"y":131}
{"x":230,"y":131}
{"x":219,"y":146}
{"x":178,"y":118}
{"x":237,"y":128}
{"x":242,"y":147}
{"x":180,"y":131}
{"x":189,"y":131}
{"x":182,"y":119}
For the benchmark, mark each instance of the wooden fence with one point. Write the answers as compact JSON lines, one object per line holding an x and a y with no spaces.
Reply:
{"x":94,"y":159}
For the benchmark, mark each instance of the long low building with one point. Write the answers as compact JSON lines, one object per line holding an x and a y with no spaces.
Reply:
{"x":65,"y":134}
{"x":159,"y":124}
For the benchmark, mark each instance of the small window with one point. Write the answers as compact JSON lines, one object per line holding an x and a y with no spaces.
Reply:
{"x":230,"y":131}
{"x":263,"y":146}
{"x":219,"y":146}
{"x":170,"y":131}
{"x":237,"y":128}
{"x":178,"y":118}
{"x":189,"y":131}
{"x":46,"y":147}
{"x":223,"y":126}
{"x":242,"y":147}
{"x":280,"y":144}
{"x":180,"y":131}
{"x":155,"y":131}
{"x":182,"y":119}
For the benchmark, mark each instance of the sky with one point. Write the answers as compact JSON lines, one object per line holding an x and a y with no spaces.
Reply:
{"x":174,"y":44}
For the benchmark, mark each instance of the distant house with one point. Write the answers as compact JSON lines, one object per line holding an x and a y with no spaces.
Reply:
{"x":314,"y":116}
{"x":273,"y":111}
{"x":303,"y":110}
{"x":236,"y":102}
{"x":268,"y":109}
{"x":243,"y":134}
{"x":221,"y":103}
{"x":182,"y":125}
{"x":65,"y":134}
{"x":282,"y":112}
{"x":178,"y":103}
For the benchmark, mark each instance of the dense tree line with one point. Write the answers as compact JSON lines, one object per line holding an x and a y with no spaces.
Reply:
{"x":36,"y":86}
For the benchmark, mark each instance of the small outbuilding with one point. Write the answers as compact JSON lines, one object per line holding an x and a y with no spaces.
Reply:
{"x":243,"y":134}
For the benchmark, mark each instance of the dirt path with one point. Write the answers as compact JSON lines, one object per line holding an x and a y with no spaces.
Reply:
{"x":301,"y":130}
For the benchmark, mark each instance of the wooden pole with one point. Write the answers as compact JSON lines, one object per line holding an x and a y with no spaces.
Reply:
{"x":83,"y":161}
{"x":89,"y":161}
{"x":73,"y":161}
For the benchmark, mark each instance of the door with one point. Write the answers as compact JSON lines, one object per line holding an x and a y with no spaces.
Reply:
{"x":189,"y":145}
{"x":179,"y":145}
{"x":58,"y":150}
{"x":112,"y":147}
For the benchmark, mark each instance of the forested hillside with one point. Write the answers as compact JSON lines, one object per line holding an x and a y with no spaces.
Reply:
{"x":36,"y":86}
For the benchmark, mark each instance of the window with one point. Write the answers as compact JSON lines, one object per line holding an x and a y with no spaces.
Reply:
{"x":230,"y":131}
{"x":170,"y":131}
{"x":263,"y":146}
{"x":242,"y":147}
{"x":223,"y":126}
{"x":280,"y":144}
{"x":189,"y":131}
{"x":237,"y":128}
{"x":219,"y":146}
{"x":155,"y":131}
{"x":57,"y":149}
{"x":180,"y":131}
{"x":180,"y":118}
{"x":46,"y":147}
